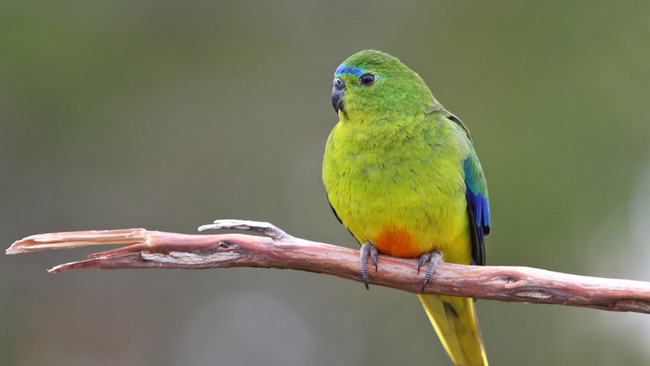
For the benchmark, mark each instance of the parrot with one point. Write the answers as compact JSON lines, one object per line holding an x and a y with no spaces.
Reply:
{"x":401,"y":174}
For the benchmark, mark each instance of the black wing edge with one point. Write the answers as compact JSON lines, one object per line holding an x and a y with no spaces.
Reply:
{"x":478,"y":238}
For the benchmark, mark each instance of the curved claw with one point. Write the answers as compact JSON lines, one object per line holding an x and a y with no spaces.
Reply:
{"x":367,"y":249}
{"x":434,"y":258}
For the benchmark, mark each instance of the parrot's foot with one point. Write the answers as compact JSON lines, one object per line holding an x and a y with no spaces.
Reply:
{"x":434,"y":258}
{"x":367,"y":249}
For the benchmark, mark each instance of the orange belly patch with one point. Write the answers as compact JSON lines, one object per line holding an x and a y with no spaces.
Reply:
{"x":397,"y":243}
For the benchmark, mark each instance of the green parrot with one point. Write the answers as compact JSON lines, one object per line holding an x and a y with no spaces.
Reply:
{"x":402,"y":176}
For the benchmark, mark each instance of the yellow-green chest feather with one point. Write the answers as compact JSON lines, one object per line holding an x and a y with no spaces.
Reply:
{"x":400,"y":184}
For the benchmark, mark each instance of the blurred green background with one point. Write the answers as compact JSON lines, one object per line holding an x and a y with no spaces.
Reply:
{"x":167,"y":115}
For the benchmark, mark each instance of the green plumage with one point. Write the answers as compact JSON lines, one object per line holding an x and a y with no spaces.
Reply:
{"x":401,"y":174}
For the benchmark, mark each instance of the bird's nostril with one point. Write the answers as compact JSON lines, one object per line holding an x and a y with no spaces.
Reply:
{"x":338,"y":84}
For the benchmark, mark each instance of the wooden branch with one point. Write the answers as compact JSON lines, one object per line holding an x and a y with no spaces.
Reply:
{"x":277,"y":249}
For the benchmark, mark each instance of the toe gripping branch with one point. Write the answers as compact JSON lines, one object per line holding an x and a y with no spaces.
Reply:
{"x":367,"y":249}
{"x":434,"y":258}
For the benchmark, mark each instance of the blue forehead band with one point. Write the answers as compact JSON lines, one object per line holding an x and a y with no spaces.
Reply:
{"x":349,"y":70}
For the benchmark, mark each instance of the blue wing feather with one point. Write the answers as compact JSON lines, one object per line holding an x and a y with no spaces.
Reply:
{"x":478,"y":208}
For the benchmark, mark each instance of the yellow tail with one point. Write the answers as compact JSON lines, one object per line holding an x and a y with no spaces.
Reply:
{"x":455,"y":322}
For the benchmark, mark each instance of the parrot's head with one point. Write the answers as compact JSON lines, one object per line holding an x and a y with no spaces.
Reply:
{"x":374,"y":84}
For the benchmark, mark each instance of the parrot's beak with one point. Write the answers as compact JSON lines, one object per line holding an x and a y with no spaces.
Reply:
{"x":338,"y":87}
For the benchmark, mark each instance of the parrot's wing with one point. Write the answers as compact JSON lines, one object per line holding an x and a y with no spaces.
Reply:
{"x":478,"y":207}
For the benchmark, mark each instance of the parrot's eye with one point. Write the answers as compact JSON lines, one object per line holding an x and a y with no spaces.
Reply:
{"x":367,"y":79}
